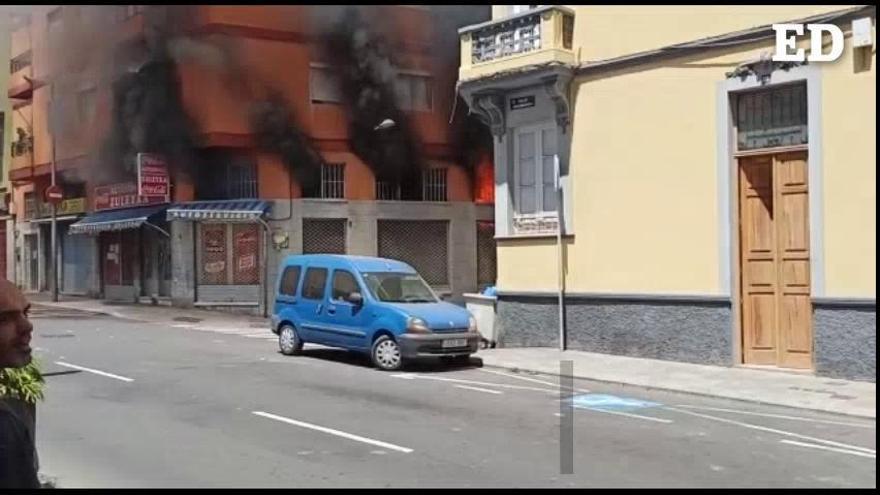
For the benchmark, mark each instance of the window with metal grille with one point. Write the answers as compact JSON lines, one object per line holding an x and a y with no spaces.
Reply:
{"x":290,"y":280}
{"x":422,"y":244}
{"x":434,"y":182}
{"x":30,"y":205}
{"x":20,"y":62}
{"x":324,"y":235}
{"x":324,"y":85}
{"x":226,"y":176}
{"x":771,"y":118}
{"x":387,"y":190}
{"x":332,"y":185}
{"x":486,"y":253}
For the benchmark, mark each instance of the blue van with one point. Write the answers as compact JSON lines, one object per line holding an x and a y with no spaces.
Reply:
{"x":372,"y":305}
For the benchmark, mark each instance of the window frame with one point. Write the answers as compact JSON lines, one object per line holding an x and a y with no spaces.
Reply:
{"x":282,"y":279}
{"x":409,"y":77}
{"x":354,"y":279}
{"x":538,"y":129}
{"x":331,"y":77}
{"x":305,"y":281}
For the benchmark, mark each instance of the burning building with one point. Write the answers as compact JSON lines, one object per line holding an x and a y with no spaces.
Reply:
{"x":283,"y":129}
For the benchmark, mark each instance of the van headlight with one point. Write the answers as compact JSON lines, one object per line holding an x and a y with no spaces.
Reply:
{"x":417,"y":325}
{"x":472,"y":324}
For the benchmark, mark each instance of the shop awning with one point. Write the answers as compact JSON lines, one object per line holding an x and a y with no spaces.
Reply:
{"x":123,"y":219}
{"x":233,"y":210}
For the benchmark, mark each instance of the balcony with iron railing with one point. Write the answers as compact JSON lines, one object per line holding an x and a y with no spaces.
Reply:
{"x":535,"y":37}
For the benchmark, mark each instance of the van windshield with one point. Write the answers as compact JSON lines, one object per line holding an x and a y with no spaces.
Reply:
{"x":399,"y":287}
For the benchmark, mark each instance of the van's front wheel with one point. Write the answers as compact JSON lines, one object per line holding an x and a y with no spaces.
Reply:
{"x":289,"y":341}
{"x":386,"y":354}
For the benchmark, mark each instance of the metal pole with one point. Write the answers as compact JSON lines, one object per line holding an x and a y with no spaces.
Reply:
{"x":54,"y":219}
{"x":558,"y":191}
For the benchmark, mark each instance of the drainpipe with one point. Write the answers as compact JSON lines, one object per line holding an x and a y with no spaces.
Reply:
{"x":561,"y":267}
{"x":265,"y":267}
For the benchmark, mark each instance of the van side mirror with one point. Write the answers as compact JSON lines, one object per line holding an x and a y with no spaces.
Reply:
{"x":355,"y":298}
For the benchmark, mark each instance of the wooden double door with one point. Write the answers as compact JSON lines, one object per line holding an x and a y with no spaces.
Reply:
{"x":776,"y":312}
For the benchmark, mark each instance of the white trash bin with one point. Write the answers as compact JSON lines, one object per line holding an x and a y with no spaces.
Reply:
{"x":483,"y":309}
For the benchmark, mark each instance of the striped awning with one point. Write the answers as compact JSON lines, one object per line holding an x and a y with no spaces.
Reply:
{"x":122,"y":219}
{"x":232,"y":210}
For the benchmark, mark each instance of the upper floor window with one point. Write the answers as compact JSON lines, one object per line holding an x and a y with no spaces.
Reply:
{"x":324,"y":86}
{"x":434,"y":184}
{"x":332,"y":184}
{"x":223,"y":175}
{"x":387,"y":190}
{"x":86,"y":105}
{"x":124,"y":12}
{"x":414,"y":92}
{"x":534,"y":168}
{"x":20,"y":62}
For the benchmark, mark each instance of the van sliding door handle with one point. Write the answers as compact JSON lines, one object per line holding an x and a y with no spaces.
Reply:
{"x":331,"y":310}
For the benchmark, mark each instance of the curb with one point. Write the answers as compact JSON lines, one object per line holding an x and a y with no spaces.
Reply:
{"x":516,"y":369}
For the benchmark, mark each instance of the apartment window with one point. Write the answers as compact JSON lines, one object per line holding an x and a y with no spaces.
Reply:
{"x":85,"y":105}
{"x":20,"y":62}
{"x":387,"y":190}
{"x":332,"y":185}
{"x":414,"y":92}
{"x":324,"y":85}
{"x":30,"y":205}
{"x":125,"y":12}
{"x":535,"y":149}
{"x":227,"y":176}
{"x":434,"y":182}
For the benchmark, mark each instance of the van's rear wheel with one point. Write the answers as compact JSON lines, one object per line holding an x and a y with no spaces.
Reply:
{"x":289,"y":341}
{"x":386,"y":354}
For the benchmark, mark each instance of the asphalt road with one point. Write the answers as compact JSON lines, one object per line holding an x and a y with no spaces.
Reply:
{"x":145,"y":405}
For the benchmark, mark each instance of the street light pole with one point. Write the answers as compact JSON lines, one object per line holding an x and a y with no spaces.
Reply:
{"x":54,"y":208}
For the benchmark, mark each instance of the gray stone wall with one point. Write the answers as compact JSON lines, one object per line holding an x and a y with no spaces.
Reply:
{"x":694,"y":331}
{"x":183,"y":264}
{"x":845,"y":341}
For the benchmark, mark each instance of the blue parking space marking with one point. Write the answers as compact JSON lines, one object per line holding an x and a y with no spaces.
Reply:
{"x":604,"y":402}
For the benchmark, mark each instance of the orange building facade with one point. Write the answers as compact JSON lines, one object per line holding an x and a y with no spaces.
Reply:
{"x":236,"y":204}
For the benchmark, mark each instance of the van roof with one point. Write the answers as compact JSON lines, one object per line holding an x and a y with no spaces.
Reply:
{"x":360,"y":263}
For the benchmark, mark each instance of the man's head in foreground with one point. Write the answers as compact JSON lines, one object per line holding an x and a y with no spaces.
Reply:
{"x":15,"y":328}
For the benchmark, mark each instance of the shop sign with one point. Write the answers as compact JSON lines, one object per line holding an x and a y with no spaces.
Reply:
{"x":123,"y":195}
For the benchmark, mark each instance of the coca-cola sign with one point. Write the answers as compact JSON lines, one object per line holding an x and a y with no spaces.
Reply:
{"x":152,"y":175}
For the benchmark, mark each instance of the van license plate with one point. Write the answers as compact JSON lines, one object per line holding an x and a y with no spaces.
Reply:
{"x":455,"y":343}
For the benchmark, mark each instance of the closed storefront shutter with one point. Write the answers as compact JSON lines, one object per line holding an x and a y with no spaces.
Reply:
{"x":422,"y":244}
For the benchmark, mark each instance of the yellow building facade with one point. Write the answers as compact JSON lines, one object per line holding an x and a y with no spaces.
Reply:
{"x":717,"y":207}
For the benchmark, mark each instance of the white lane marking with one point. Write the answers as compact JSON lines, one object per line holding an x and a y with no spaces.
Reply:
{"x":478,"y":389}
{"x":258,"y":335}
{"x":334,"y":432}
{"x":773,"y":430}
{"x":780,"y":416}
{"x":97,"y":372}
{"x":533,"y":380}
{"x":832,"y":449}
{"x":629,"y":415}
{"x":39,"y":349}
{"x":413,"y":376}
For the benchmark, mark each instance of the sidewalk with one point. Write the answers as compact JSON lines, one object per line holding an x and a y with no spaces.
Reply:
{"x":782,"y":388}
{"x":791,"y":389}
{"x":155,"y":314}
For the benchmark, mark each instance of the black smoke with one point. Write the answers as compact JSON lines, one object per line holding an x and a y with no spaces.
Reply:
{"x":276,"y":131}
{"x":363,"y":61}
